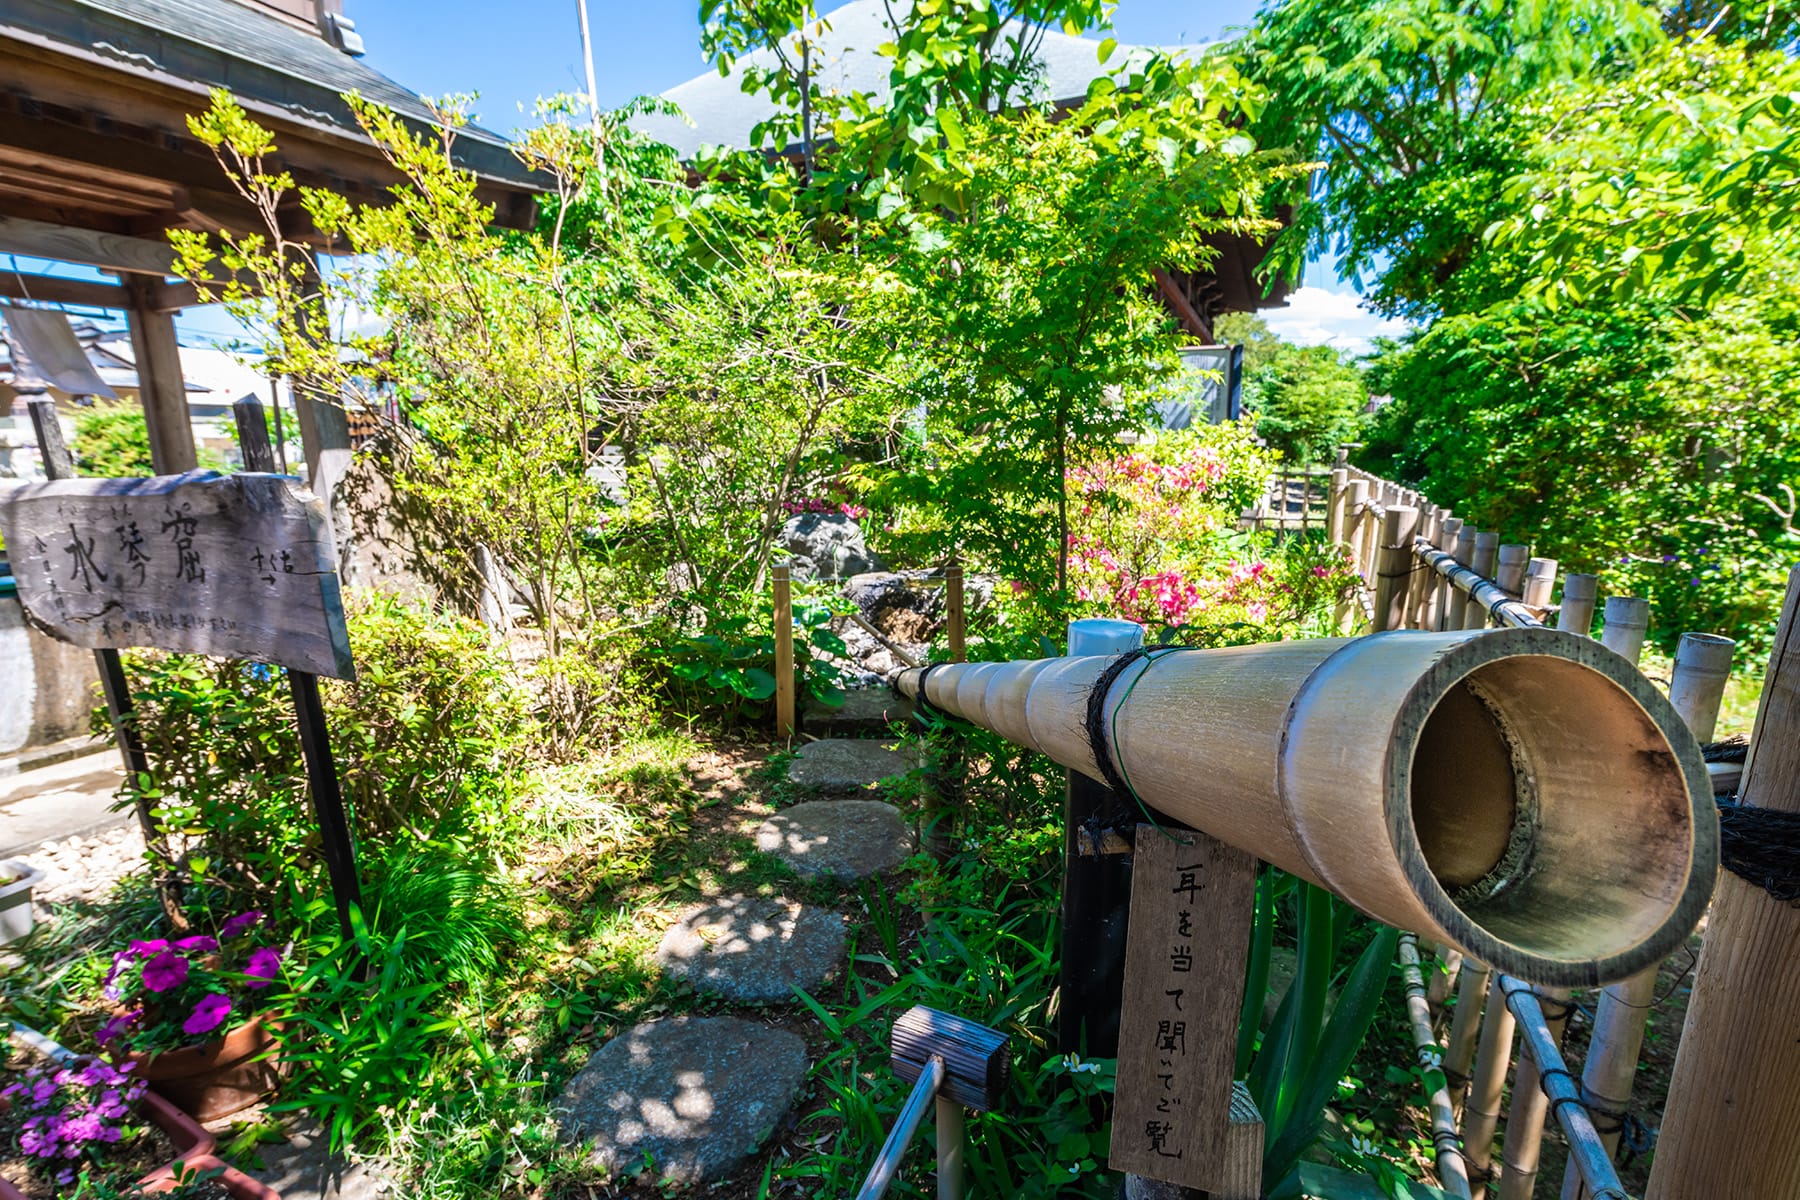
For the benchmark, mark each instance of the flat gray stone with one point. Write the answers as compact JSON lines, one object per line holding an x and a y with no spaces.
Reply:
{"x":864,"y":711}
{"x":851,"y":764}
{"x":848,"y":839}
{"x":303,"y":1168}
{"x":753,"y":949}
{"x":698,"y":1095}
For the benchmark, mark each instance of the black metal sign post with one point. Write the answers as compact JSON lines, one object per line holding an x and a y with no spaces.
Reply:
{"x":309,"y":711}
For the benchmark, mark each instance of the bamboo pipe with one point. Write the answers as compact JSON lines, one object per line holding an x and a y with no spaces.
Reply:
{"x":1464,"y":555}
{"x":1627,"y":624}
{"x":1443,"y":979}
{"x":1453,"y":1175}
{"x":1524,"y":1142}
{"x":1462,"y":785}
{"x":1450,"y":533}
{"x":1540,"y":582}
{"x":1368,"y":536}
{"x":955,"y":620}
{"x":1482,"y":561}
{"x":1481,"y":1115}
{"x":1734,"y":1102}
{"x":1356,"y":495}
{"x":1586,"y":1153}
{"x":1579,"y":595}
{"x":1394,"y":570}
{"x":1702,"y":663}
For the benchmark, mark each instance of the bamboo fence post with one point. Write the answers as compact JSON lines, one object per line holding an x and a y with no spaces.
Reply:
{"x":1580,"y":592}
{"x":1734,"y":1099}
{"x":1334,"y":506}
{"x":1540,"y":583}
{"x":1627,"y":624}
{"x":955,"y":618}
{"x":1525,"y":1119}
{"x":1481,"y":561}
{"x":1356,"y":494}
{"x":1450,"y":535}
{"x":1368,"y":533}
{"x":1424,"y":583}
{"x":1459,"y":1049}
{"x":1394,"y":570}
{"x":1702,"y":664}
{"x":1509,"y":570}
{"x":1464,"y":553}
{"x":1481,"y":1113}
{"x":784,"y":651}
{"x":1453,"y":1174}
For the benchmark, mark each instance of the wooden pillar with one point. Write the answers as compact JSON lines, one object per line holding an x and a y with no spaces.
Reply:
{"x":1734,"y":1099}
{"x":784,"y":651}
{"x":161,"y":385}
{"x":955,"y":617}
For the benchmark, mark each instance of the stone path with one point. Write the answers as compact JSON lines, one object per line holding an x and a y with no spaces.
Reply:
{"x":68,"y":798}
{"x":692,"y":1098}
{"x":866,"y":712}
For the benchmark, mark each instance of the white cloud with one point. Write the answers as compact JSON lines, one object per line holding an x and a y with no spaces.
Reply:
{"x":1315,"y":316}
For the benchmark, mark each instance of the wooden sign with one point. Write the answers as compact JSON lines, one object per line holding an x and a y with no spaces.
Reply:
{"x":1177,"y":1116}
{"x":239,"y":566}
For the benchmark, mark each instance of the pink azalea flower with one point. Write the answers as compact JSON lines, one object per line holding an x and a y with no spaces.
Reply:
{"x":207,"y":1015}
{"x":165,"y":971}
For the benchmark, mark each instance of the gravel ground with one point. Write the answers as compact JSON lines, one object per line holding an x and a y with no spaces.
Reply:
{"x":85,"y":868}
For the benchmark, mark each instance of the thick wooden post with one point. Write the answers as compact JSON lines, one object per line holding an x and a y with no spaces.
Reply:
{"x":1394,"y":571}
{"x":161,"y":386}
{"x":785,"y":725}
{"x":1734,"y":1099}
{"x":955,"y":617}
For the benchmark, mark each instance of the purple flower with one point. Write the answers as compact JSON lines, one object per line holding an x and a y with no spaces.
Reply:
{"x":145,"y":949}
{"x":242,"y":923}
{"x":264,"y":965}
{"x":165,"y":971}
{"x":200,"y":942}
{"x":207,"y":1014}
{"x":112,"y":1030}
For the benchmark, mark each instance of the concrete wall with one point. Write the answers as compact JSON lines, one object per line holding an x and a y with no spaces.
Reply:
{"x":47,"y":688}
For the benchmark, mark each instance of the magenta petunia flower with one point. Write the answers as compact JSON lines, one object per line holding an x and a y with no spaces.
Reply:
{"x":264,"y":965}
{"x":212,"y":1009}
{"x":165,"y":971}
{"x":242,"y":923}
{"x":118,"y":1025}
{"x":199,"y":942}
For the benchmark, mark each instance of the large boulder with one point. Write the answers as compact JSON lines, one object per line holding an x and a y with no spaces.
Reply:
{"x":825,"y":546}
{"x":904,"y":608}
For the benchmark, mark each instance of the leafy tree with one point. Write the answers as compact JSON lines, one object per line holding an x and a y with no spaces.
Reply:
{"x":1307,"y":400}
{"x":113,"y":440}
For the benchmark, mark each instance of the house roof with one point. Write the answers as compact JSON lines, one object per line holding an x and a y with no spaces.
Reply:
{"x":723,"y":114}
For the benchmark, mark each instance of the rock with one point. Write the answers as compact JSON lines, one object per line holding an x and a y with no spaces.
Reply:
{"x":826,"y":546}
{"x":846,"y":839}
{"x":303,"y":1168}
{"x":698,"y":1095}
{"x":851,"y":764}
{"x":752,"y":949}
{"x":904,"y":609}
{"x":869,"y":710}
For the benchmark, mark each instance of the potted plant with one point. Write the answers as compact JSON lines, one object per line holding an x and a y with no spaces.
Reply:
{"x":189,"y":1016}
{"x":89,"y":1130}
{"x":16,"y":882}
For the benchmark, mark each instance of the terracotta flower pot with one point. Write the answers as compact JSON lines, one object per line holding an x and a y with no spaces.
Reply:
{"x":193,"y":1147}
{"x":216,"y":1078}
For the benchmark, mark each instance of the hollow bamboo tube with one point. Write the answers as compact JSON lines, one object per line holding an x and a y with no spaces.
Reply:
{"x":1450,"y":531}
{"x":1481,"y":1115}
{"x":785,"y":725}
{"x":1399,"y":525}
{"x":1627,"y":624}
{"x":1368,"y":537}
{"x":1400,"y":772}
{"x":1540,"y":582}
{"x":1702,"y":663}
{"x":1453,"y":1175}
{"x":1334,"y":506}
{"x":1734,"y":1099}
{"x":1481,"y":561}
{"x":1443,"y":979}
{"x":1579,"y":595}
{"x":1464,"y":554}
{"x":1525,"y":1119}
{"x":1509,"y":567}
{"x":1423,"y":591}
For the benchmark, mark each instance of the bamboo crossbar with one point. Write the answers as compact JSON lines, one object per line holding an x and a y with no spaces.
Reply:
{"x":1586,"y":1149}
{"x":1501,"y":605}
{"x":1453,"y":1173}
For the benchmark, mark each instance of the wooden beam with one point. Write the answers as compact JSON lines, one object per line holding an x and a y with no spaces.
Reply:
{"x":90,"y":293}
{"x":1185,"y":312}
{"x":161,"y":386}
{"x":43,"y":240}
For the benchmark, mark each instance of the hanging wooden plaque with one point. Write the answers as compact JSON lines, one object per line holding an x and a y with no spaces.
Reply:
{"x":238,"y":566}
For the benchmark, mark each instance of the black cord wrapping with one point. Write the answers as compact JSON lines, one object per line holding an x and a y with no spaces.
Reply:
{"x":927,"y":713}
{"x":1761,"y":846}
{"x":1095,"y":723}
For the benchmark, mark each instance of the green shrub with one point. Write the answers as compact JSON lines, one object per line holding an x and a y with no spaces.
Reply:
{"x":113,"y":440}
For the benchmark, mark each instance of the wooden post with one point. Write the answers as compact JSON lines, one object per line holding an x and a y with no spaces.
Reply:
{"x":1368,"y":537}
{"x":1734,"y":1099}
{"x":1509,"y":567}
{"x":785,"y":726}
{"x":1177,"y":1116}
{"x":955,"y":619}
{"x":1464,"y":553}
{"x":161,"y":385}
{"x":1481,"y":561}
{"x":1702,"y":664}
{"x":1394,"y":571}
{"x":1423,"y":589}
{"x":1580,"y":592}
{"x":1334,"y":506}
{"x":1459,"y":1050}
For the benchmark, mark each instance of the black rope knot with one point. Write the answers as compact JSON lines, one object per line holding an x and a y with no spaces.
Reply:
{"x":1096,"y":721}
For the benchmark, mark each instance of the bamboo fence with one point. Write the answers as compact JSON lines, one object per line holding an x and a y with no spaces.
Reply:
{"x":1421,"y":567}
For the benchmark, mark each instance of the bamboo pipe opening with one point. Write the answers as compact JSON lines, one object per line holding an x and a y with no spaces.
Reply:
{"x":1514,"y":790}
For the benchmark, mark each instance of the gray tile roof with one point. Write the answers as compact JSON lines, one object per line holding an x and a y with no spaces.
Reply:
{"x":258,"y":56}
{"x":845,"y":61}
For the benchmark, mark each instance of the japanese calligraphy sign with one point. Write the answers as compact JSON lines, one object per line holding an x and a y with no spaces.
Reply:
{"x":240,"y":566}
{"x":1174,"y":1120}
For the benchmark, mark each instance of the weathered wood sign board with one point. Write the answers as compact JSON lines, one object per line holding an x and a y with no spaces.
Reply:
{"x":239,"y":566}
{"x":1177,"y":1117}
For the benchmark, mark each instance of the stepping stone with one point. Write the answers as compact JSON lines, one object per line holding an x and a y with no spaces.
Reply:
{"x":848,"y":839}
{"x":851,"y":764}
{"x":303,"y":1168}
{"x":698,"y":1095}
{"x":865,"y":712}
{"x":752,"y":949}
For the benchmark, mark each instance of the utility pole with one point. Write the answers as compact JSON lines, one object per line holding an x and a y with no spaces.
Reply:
{"x":587,"y":58}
